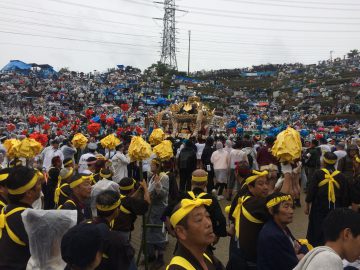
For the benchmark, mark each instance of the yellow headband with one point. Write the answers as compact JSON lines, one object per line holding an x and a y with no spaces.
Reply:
{"x":68,"y":163}
{"x":330,"y":161}
{"x":105,"y":175}
{"x":3,"y":176}
{"x":256,"y":175}
{"x":79,"y":181}
{"x":106,"y":208}
{"x":199,"y":178}
{"x":187,"y":206}
{"x":128,"y":187}
{"x":278,"y":200}
{"x":28,"y":186}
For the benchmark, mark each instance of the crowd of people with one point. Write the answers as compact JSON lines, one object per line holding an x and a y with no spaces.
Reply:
{"x":71,"y":207}
{"x":101,"y":191}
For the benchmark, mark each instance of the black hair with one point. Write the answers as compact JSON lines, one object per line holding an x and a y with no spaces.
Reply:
{"x":338,"y":220}
{"x":330,"y":156}
{"x":126,"y":181}
{"x":107,"y":198}
{"x":67,"y":160}
{"x":315,"y":142}
{"x":18,"y":177}
{"x":270,"y":140}
{"x":209,"y":141}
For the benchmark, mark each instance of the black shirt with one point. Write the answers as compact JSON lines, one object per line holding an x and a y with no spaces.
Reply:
{"x":249,"y":231}
{"x":319,"y":195}
{"x":12,"y":255}
{"x":118,"y":253}
{"x":137,"y":207}
{"x":183,"y":252}
{"x":83,"y":211}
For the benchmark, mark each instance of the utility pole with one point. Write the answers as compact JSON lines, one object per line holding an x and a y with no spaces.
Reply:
{"x":189,"y":53}
{"x":331,"y":55}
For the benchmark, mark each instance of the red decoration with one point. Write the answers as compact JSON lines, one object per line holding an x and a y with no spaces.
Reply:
{"x":59,"y":132}
{"x":41,"y":119}
{"x":103,"y":117}
{"x":65,"y":122}
{"x":89,"y":113}
{"x":46,"y":126}
{"x":139,"y":130}
{"x":94,"y":128}
{"x":24,"y":132}
{"x":39,"y":137}
{"x":74,"y":127}
{"x":110,"y":121}
{"x":54,"y":119}
{"x":319,"y":136}
{"x":119,"y":131}
{"x":60,"y":125}
{"x":124,"y":107}
{"x":337,"y":129}
{"x":32,"y":120}
{"x":10,"y":127}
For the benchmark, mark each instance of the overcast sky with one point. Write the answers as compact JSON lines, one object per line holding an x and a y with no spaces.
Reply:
{"x":87,"y":35}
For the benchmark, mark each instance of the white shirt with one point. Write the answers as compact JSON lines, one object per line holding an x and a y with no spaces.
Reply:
{"x":119,"y":165}
{"x":237,"y":155}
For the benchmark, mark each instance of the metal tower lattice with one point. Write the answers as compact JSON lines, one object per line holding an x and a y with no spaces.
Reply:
{"x":168,"y":48}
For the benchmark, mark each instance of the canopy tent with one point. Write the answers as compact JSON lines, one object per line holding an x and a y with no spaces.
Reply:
{"x":16,"y":65}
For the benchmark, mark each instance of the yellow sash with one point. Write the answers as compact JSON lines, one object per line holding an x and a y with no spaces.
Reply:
{"x":2,"y":204}
{"x":330,"y":180}
{"x":4,"y":224}
{"x":237,"y":213}
{"x":184,"y":263}
{"x":122,"y":208}
{"x":70,"y":201}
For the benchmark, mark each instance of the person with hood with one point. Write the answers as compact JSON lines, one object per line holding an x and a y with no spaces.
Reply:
{"x":328,"y":190}
{"x":220,"y":160}
{"x":342,"y":241}
{"x":186,"y":164}
{"x":45,"y":229}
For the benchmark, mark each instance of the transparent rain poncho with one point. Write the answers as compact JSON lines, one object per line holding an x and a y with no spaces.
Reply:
{"x":45,"y":229}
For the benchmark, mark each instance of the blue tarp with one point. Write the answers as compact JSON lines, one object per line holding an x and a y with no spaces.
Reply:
{"x":16,"y":65}
{"x":187,"y":79}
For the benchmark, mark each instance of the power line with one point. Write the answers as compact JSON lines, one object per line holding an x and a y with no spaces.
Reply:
{"x":100,"y":8}
{"x":76,"y":39}
{"x":73,"y":17}
{"x":74,"y":29}
{"x":270,"y":29}
{"x":257,"y":3}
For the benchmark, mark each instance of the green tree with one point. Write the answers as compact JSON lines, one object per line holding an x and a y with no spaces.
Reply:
{"x":353,"y":53}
